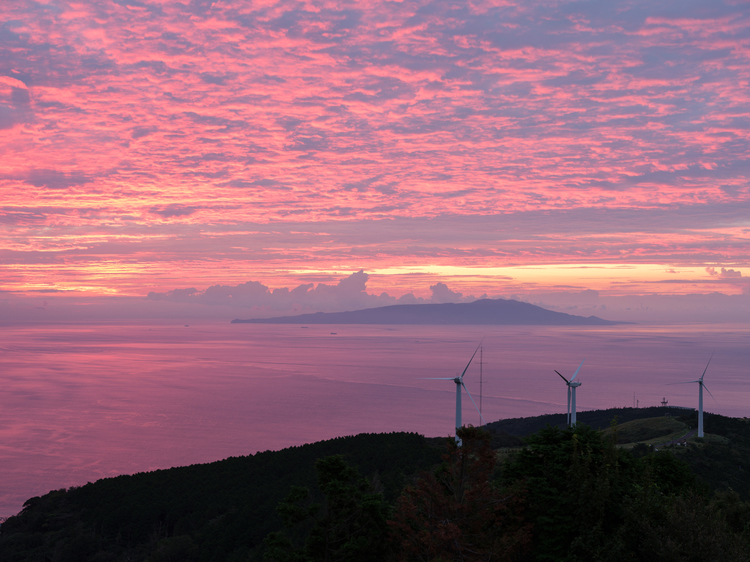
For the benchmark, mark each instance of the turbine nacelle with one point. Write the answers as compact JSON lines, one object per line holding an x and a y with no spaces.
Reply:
{"x":701,"y":386}
{"x":459,"y":380}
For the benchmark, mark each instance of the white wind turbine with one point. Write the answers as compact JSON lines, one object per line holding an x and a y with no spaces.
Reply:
{"x":701,"y":386}
{"x":572,"y":384}
{"x":459,"y":380}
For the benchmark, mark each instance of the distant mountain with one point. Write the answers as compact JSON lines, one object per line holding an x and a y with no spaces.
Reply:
{"x":484,"y":311}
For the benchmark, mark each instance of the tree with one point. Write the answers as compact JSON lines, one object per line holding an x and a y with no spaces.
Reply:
{"x":458,"y":513}
{"x":576,"y":480}
{"x":348,"y":525}
{"x":682,"y":527}
{"x":590,"y":501}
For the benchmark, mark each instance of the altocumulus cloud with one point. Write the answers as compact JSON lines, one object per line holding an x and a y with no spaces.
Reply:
{"x":189,"y":135}
{"x":54,"y":179}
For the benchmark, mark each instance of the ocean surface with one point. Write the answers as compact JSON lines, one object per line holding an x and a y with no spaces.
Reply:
{"x":83,"y":402}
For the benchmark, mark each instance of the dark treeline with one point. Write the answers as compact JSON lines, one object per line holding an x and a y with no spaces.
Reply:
{"x":219,"y":511}
{"x":568,"y":495}
{"x":564,"y":495}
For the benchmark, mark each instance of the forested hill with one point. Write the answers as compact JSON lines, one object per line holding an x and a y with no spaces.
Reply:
{"x":483,"y":311}
{"x":227,"y":507}
{"x":557,"y":494}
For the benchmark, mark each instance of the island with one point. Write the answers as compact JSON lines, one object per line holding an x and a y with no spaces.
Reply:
{"x":482,"y":311}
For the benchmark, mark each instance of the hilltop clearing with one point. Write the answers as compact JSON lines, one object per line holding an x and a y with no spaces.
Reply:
{"x":656,"y":430}
{"x":596,"y":419}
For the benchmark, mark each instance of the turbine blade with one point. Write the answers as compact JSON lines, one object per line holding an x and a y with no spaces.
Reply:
{"x":470,"y":360}
{"x":683,"y":382}
{"x":709,"y":392}
{"x":437,"y":379}
{"x":707,"y":364}
{"x":568,"y":421}
{"x":578,"y":369}
{"x":475,"y":404}
{"x":562,"y":377}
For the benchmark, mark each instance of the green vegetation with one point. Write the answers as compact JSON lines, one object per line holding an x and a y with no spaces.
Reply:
{"x":212,"y":512}
{"x":722,"y":458}
{"x":649,"y":430}
{"x":348,"y":524}
{"x":459,"y":511}
{"x":587,"y":499}
{"x":595,"y":419}
{"x":555,"y":494}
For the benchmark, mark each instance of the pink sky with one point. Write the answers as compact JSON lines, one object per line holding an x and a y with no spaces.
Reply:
{"x":587,"y":156}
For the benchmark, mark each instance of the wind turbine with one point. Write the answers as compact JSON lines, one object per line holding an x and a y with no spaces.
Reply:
{"x":572,"y":385}
{"x":459,"y":380}
{"x":701,"y":386}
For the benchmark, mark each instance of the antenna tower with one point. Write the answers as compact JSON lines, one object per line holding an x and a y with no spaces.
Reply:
{"x":459,"y":380}
{"x":481,"y":351}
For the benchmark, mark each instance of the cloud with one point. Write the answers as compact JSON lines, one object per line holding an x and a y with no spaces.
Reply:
{"x":13,"y":82}
{"x":140,"y":132}
{"x":16,"y":108}
{"x":259,"y":183}
{"x":8,"y":117}
{"x":250,"y":293}
{"x":54,"y":179}
{"x":388,"y":133}
{"x":349,"y":293}
{"x":216,"y":79}
{"x":730,"y":274}
{"x":174,"y":210}
{"x":176,"y":295}
{"x":724,"y":273}
{"x":441,"y":293}
{"x":20,"y":96}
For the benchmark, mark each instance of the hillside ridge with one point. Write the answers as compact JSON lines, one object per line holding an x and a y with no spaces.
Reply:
{"x":225,"y":509}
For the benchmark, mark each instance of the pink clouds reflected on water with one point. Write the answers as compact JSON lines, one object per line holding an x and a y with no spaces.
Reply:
{"x":79,"y":403}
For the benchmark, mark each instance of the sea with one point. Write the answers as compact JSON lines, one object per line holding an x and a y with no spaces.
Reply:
{"x":80,"y":402}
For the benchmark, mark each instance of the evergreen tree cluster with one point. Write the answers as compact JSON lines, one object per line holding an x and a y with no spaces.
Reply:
{"x":218,"y":512}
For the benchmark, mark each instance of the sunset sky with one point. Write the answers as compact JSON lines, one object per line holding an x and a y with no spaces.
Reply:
{"x":237,"y":158}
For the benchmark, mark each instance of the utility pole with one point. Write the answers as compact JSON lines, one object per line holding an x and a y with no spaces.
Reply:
{"x":481,"y":351}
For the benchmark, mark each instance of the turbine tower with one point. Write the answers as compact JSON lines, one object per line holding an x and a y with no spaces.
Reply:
{"x":459,"y":380}
{"x":701,"y":386}
{"x":572,"y":384}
